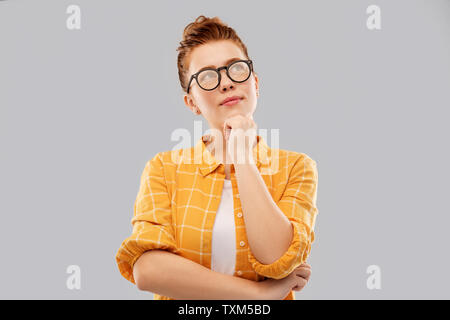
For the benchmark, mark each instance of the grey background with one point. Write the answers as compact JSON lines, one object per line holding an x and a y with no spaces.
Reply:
{"x":82,"y":111}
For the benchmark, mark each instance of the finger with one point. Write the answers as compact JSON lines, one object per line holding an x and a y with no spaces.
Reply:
{"x":226,"y":130}
{"x":305,"y":265}
{"x":298,"y":288}
{"x":304,"y":273}
{"x":301,"y":283}
{"x":302,"y":268}
{"x":226,"y":126}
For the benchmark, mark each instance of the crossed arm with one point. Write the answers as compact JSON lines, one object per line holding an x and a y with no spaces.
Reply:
{"x":174,"y":276}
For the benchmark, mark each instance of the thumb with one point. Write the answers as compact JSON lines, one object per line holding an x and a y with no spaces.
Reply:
{"x":226,"y":130}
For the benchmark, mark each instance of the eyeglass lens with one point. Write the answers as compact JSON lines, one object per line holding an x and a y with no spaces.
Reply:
{"x":209,"y":79}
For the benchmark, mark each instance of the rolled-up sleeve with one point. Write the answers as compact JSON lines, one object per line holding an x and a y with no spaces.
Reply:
{"x":298,"y":203}
{"x":152,"y":219}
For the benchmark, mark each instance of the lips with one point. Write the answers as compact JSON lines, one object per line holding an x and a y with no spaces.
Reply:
{"x":230,"y":99}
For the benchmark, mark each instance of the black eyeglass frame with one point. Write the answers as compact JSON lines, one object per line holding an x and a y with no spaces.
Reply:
{"x":195,"y":75}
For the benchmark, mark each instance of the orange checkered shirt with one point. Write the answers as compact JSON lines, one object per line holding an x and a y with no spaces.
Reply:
{"x":180,"y":192}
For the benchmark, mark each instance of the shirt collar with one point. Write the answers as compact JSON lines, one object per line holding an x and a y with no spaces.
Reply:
{"x":208,"y":163}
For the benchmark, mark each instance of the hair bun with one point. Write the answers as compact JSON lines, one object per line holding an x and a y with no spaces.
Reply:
{"x":201,"y":21}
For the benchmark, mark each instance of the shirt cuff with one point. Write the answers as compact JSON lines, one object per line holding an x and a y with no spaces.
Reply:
{"x":297,"y":254}
{"x":132,"y":249}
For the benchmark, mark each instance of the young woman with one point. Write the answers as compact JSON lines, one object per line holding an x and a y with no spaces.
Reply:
{"x":230,"y":218}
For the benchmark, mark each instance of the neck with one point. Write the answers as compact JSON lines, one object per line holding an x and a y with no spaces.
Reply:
{"x":213,"y":147}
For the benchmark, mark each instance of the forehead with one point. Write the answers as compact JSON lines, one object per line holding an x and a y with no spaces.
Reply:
{"x":214,"y":54}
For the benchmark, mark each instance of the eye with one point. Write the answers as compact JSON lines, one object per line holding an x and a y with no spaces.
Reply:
{"x":207,"y":75}
{"x":208,"y":79}
{"x":238,"y":67}
{"x":239,"y":71}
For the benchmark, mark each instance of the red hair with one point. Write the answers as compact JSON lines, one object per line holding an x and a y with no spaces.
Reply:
{"x":199,"y":32}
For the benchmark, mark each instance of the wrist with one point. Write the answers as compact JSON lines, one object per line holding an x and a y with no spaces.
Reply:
{"x":260,"y":290}
{"x":248,"y":163}
{"x":242,"y":157}
{"x":268,"y":289}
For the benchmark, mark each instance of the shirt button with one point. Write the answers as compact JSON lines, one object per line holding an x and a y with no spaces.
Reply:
{"x":239,"y":214}
{"x":242,"y":243}
{"x":239,"y":272}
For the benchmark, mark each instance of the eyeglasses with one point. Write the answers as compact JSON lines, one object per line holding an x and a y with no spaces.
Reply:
{"x":209,"y":79}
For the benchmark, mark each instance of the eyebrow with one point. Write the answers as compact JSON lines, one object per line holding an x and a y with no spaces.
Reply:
{"x":226,"y":63}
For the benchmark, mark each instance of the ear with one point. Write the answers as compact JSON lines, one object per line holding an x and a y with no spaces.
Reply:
{"x":190,"y":103}
{"x":256,"y":84}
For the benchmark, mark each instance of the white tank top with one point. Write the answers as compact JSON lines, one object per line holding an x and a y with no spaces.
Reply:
{"x":223,"y":256}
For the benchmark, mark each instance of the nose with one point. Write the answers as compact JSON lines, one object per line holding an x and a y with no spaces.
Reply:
{"x":225,"y":82}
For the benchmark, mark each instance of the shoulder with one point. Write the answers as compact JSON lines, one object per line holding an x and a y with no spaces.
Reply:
{"x":172,"y":159}
{"x":292,"y":158}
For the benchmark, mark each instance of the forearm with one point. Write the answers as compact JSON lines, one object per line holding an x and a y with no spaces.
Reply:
{"x":171,"y":275}
{"x":269,"y":231}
